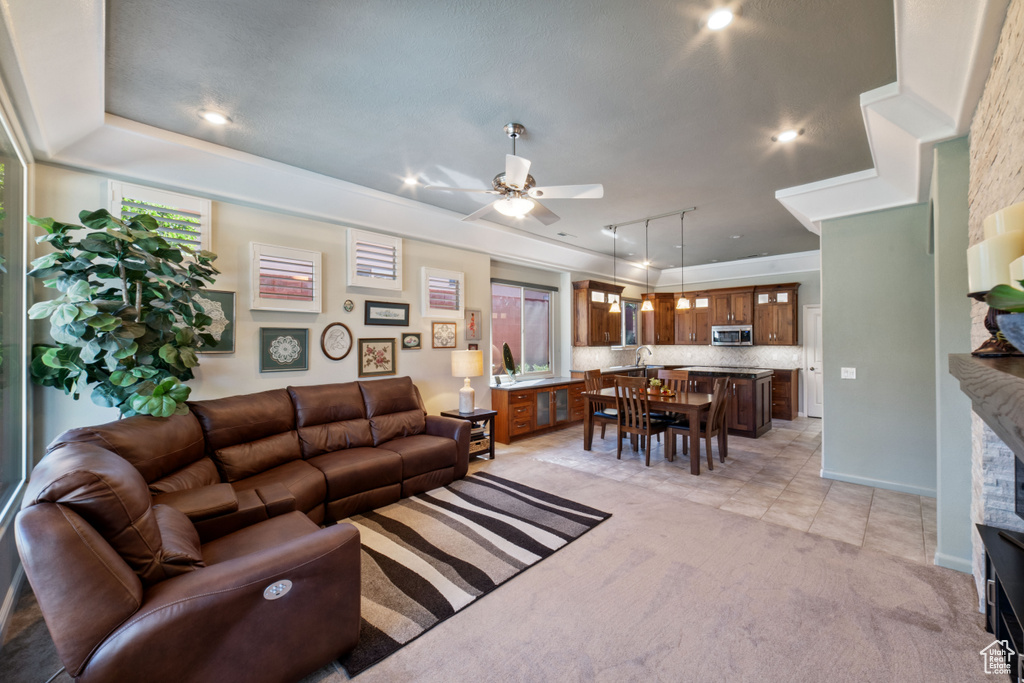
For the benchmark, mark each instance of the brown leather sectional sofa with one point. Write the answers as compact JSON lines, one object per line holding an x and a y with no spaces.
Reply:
{"x":156,"y":546}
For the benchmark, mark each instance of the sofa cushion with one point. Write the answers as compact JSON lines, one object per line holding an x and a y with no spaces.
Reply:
{"x":202,"y":502}
{"x":253,"y":457}
{"x":179,"y":553}
{"x":423,"y":453}
{"x":156,"y":446}
{"x":200,"y":473}
{"x":305,"y":482}
{"x":240,"y":419}
{"x":108,"y":493}
{"x":394,"y":408}
{"x":355,"y":470}
{"x":268,"y":534}
{"x":330,"y":417}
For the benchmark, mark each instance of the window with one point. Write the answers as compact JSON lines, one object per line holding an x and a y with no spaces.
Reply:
{"x":13,"y":305}
{"x":182,"y":219}
{"x":374,"y":260}
{"x":630,"y":322}
{"x":285,"y":279}
{"x":522,"y":317}
{"x":443,"y":293}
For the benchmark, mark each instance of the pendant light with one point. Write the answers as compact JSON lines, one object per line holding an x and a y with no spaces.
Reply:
{"x":615,"y":304}
{"x":647,"y":306}
{"x":683,"y":302}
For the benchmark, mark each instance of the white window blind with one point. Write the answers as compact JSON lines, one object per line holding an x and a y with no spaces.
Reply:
{"x":443,"y":293}
{"x":182,"y":219}
{"x":285,"y":279}
{"x":374,"y":260}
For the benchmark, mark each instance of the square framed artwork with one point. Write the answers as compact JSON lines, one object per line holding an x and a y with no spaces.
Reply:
{"x":443,"y":335}
{"x":376,"y":357}
{"x":473,"y":320}
{"x":386,"y":313}
{"x":284,"y":348}
{"x":220,"y":306}
{"x":411,"y":340}
{"x":473,"y":347}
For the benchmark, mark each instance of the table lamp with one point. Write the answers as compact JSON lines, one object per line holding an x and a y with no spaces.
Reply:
{"x":467,"y":364}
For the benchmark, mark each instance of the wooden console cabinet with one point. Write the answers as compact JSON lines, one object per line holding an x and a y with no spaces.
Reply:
{"x":552,"y":405}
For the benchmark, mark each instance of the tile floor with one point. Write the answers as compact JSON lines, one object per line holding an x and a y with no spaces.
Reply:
{"x":775,"y":478}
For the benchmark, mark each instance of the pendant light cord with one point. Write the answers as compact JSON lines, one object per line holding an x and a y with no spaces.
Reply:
{"x":682,"y":254}
{"x":647,"y":255}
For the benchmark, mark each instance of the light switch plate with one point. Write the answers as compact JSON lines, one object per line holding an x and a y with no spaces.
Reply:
{"x":848,"y":373}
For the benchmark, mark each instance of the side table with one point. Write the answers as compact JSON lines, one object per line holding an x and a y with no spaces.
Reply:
{"x":480,"y":418}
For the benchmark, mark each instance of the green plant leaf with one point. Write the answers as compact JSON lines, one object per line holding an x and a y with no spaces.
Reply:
{"x":106,"y":396}
{"x":1006,"y":298}
{"x":64,"y":315}
{"x":46,"y":261}
{"x":126,"y":352}
{"x":43,"y":309}
{"x":122,"y":378}
{"x":79,"y":291}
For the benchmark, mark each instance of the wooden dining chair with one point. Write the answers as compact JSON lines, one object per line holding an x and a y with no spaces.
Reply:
{"x":634,"y":417}
{"x":604,"y":417}
{"x":676,"y":380}
{"x":713,"y":423}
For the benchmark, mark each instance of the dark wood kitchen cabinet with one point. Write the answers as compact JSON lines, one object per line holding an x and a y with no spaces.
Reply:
{"x":659,"y":325}
{"x":750,"y":406}
{"x":593,"y":322}
{"x":693,"y":324}
{"x":785,"y":394}
{"x":775,"y":315}
{"x":733,"y":306}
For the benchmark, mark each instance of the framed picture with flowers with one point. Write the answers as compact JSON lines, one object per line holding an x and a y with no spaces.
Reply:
{"x":376,"y":357}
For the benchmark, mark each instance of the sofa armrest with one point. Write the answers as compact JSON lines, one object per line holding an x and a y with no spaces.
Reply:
{"x":202,"y":625}
{"x":455,"y":429}
{"x":201,"y":503}
{"x":277,"y":498}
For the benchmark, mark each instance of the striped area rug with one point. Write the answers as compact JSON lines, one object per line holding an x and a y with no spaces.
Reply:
{"x":427,"y":557}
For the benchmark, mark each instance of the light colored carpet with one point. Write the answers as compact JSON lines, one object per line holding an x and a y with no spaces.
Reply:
{"x":677,"y":591}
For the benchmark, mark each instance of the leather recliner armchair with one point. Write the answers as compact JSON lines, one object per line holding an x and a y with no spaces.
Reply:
{"x":129,"y":593}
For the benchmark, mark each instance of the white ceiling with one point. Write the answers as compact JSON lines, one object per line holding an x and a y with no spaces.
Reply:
{"x":646,"y":101}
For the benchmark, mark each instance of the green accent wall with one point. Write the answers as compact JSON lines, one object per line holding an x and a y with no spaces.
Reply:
{"x":878,"y":317}
{"x":952,"y":335}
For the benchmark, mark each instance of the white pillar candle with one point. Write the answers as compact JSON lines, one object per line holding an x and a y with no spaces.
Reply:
{"x":1010,"y":219}
{"x":1017,"y":272}
{"x":988,"y":261}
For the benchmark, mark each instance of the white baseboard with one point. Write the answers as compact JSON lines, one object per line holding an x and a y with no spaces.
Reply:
{"x":954,"y":562}
{"x":10,"y":602}
{"x":878,"y":483}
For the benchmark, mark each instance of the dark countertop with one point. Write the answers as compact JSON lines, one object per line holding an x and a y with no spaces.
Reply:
{"x":712,"y":371}
{"x":616,"y":369}
{"x":535,"y":383}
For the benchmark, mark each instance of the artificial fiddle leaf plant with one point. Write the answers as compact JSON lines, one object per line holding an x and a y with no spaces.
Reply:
{"x":126,"y":320}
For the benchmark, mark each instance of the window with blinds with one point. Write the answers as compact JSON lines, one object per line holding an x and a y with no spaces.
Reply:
{"x":182,"y":219}
{"x":374,"y":260}
{"x":285,"y":279}
{"x":443,"y":293}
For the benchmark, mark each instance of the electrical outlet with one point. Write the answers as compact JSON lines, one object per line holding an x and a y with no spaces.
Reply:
{"x":848,"y":373}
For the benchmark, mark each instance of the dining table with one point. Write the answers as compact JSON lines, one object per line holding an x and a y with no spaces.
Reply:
{"x":688,"y":403}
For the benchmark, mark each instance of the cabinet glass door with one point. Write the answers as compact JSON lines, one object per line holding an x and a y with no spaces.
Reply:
{"x":561,"y":405}
{"x":543,"y":408}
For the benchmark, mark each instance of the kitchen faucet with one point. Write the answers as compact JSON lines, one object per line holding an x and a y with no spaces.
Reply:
{"x":638,"y":350}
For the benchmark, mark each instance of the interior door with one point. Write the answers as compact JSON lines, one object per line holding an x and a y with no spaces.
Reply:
{"x":814,"y":396}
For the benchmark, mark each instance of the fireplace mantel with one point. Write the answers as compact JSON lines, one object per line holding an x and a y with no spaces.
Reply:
{"x":996,"y":389}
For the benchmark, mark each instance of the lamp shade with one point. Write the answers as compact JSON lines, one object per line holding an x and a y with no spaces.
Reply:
{"x":467,"y":363}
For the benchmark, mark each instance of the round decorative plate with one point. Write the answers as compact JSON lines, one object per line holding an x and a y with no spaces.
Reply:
{"x":349,"y":305}
{"x":336,"y":341}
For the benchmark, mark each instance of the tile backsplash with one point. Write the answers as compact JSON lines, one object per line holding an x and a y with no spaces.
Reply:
{"x":774,"y":357}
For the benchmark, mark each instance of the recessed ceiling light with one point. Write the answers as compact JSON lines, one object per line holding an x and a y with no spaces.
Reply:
{"x":719,"y":19}
{"x":736,"y":237}
{"x":646,"y":263}
{"x":679,"y":246}
{"x":412,"y":180}
{"x":631,"y":253}
{"x":714,"y":260}
{"x":788,"y":135}
{"x":215,"y":117}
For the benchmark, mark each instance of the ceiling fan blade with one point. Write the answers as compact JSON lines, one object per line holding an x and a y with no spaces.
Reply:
{"x":543,"y":213}
{"x":458,"y":189}
{"x":482,"y":212}
{"x":567,"y":192}
{"x":516,"y":170}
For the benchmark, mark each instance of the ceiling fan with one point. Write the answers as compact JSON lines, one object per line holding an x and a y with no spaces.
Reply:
{"x":519,"y":192}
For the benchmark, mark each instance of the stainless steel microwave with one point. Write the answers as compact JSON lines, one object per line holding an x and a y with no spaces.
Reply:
{"x":732,"y":335}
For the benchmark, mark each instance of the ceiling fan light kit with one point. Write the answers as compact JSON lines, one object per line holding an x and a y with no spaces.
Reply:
{"x":516,"y":181}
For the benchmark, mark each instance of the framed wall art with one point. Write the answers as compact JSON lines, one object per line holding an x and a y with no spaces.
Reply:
{"x":220,"y":306}
{"x":376,"y":357}
{"x":444,"y":335}
{"x":386,"y":313}
{"x":336,"y":341}
{"x":411,"y":340}
{"x":473,"y":324}
{"x":283,"y":349}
